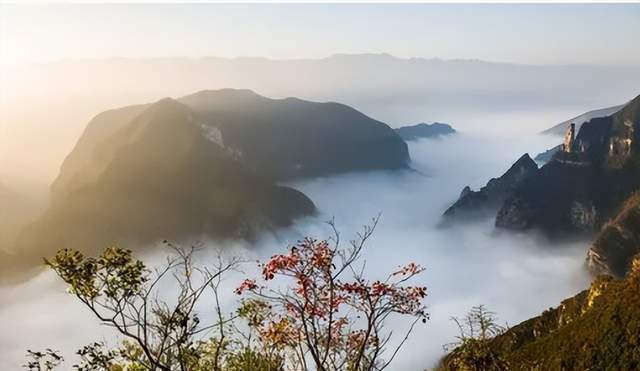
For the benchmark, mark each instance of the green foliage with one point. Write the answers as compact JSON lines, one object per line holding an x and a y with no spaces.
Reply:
{"x":254,"y":311}
{"x":598,"y":329}
{"x":115,"y":274}
{"x":248,"y":359}
{"x":312,"y":323}
{"x":606,"y":336}
{"x":473,"y":351}
{"x":95,"y":358}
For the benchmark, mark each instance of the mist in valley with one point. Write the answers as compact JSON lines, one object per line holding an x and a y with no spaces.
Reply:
{"x":399,"y":64}
{"x":515,"y":275}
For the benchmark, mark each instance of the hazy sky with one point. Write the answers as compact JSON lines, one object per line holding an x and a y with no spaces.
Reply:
{"x":521,"y":33}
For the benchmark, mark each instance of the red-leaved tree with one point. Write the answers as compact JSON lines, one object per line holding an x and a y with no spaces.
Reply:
{"x":323,"y":313}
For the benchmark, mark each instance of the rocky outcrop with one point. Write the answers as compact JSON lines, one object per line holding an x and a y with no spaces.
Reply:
{"x":585,"y":183}
{"x":618,"y":242}
{"x":557,"y":200}
{"x":595,"y":330}
{"x":158,"y":177}
{"x":569,"y":137}
{"x":490,"y":197}
{"x":423,"y":130}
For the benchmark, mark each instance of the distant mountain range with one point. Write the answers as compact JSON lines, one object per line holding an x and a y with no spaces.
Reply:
{"x":389,"y":88}
{"x":203,"y":166}
{"x":424,"y":130}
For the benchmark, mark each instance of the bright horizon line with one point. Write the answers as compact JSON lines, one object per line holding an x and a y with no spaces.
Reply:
{"x":23,"y":64}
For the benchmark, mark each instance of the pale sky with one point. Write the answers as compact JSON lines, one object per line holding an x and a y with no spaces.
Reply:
{"x":519,"y":33}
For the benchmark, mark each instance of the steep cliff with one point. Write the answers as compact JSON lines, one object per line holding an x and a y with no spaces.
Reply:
{"x":490,"y":197}
{"x":618,"y":241}
{"x":582,"y":186}
{"x":598,"y":329}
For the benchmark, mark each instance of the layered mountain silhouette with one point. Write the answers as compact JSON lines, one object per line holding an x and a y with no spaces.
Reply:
{"x":585,"y":184}
{"x":423,"y":130}
{"x":204,"y":166}
{"x":587,"y":187}
{"x":292,"y":138}
{"x":280,"y":139}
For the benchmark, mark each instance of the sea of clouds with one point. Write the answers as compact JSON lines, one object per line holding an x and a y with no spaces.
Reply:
{"x":515,"y":275}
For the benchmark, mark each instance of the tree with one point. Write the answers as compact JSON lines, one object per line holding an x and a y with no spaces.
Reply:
{"x":328,"y":314}
{"x":123,"y":294}
{"x":472,"y":350}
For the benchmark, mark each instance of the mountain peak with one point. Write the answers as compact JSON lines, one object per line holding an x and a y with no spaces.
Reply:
{"x":525,"y":160}
{"x":225,"y":92}
{"x":424,"y":130}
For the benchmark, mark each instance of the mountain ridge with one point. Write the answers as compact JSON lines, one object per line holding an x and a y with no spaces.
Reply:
{"x":157,"y":177}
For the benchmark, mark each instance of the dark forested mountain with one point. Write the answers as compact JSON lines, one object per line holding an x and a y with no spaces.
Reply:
{"x":203,"y":165}
{"x":423,"y":130}
{"x":159,"y":176}
{"x":585,"y":183}
{"x":598,"y":329}
{"x":490,"y":197}
{"x":587,"y":186}
{"x":560,"y":128}
{"x":87,"y":154}
{"x":292,"y":138}
{"x":277,"y":138}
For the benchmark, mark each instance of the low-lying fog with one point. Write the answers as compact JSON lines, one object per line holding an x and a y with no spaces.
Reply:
{"x":517,"y":276}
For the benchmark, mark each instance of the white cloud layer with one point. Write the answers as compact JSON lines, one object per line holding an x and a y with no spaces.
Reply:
{"x":515,"y":275}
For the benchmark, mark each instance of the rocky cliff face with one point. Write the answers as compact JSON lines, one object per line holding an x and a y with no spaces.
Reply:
{"x":618,"y":242}
{"x":491,"y":196}
{"x":160,"y":176}
{"x":423,"y":130}
{"x":595,"y":330}
{"x":582,"y":186}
